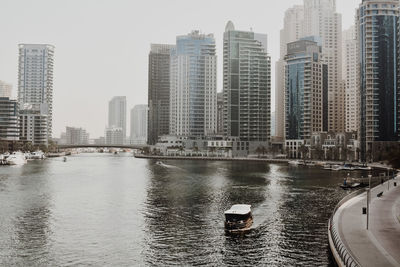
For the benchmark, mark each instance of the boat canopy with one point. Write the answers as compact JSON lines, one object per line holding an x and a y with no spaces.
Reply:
{"x":239,"y":210}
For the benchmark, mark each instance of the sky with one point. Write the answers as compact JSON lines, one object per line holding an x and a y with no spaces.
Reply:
{"x":102,"y":46}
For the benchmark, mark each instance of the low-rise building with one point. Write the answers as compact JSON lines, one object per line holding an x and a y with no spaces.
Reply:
{"x":34,"y":127}
{"x":9,"y":121}
{"x":114,"y":136}
{"x":76,"y":136}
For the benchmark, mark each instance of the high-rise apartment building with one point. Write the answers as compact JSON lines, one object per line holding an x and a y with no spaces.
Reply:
{"x":322,"y":20}
{"x":305,"y":88}
{"x":350,"y":77}
{"x":378,"y":36}
{"x":35,"y":88}
{"x":247,"y":85}
{"x":193,"y":86}
{"x":292,"y":31}
{"x":139,"y":115}
{"x":117,"y":113}
{"x":158,"y":96}
{"x":5,"y":89}
{"x":76,"y":136}
{"x":9,"y":120}
{"x":220,"y":113}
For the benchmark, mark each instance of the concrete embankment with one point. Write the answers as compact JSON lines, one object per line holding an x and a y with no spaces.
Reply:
{"x":352,"y":243}
{"x":211,"y":158}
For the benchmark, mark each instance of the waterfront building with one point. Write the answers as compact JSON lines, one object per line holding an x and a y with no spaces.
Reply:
{"x":9,"y":120}
{"x":159,"y":91}
{"x":292,"y":31}
{"x":193,"y":86}
{"x":247,"y":86}
{"x":273,"y":124}
{"x":5,"y":89}
{"x":322,"y":20}
{"x":350,"y":77}
{"x":114,"y":136}
{"x":306,"y":91}
{"x":139,"y":115}
{"x":34,"y":127}
{"x":378,"y":39}
{"x":117,"y":113}
{"x":35,"y":89}
{"x":220,"y":113}
{"x":76,"y":136}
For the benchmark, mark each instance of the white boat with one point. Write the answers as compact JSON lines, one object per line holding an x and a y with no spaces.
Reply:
{"x":238,"y":219}
{"x":295,"y":162}
{"x":37,"y":155}
{"x":16,"y":158}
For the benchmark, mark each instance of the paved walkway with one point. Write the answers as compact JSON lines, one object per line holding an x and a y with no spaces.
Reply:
{"x":380,"y":246}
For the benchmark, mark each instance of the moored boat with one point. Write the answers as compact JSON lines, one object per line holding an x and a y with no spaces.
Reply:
{"x":238,"y":219}
{"x":16,"y":158}
{"x":37,"y":155}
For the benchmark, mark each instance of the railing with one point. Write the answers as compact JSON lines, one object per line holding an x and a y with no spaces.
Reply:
{"x":345,"y":256}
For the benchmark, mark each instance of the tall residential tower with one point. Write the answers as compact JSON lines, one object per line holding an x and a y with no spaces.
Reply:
{"x":193,"y":81}
{"x":247,"y":85}
{"x":322,"y":20}
{"x":158,"y":96}
{"x":378,"y":35}
{"x":35,"y":92}
{"x":292,"y":31}
{"x":117,"y":113}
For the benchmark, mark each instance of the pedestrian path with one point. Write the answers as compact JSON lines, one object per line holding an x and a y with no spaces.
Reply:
{"x":380,"y":245}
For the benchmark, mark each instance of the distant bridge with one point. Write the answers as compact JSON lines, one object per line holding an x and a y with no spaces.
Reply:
{"x":139,"y":147}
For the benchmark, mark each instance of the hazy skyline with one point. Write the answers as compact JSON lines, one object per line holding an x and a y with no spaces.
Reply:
{"x":102,"y":46}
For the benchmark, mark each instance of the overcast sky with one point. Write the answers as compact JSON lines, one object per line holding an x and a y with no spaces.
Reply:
{"x":102,"y":46}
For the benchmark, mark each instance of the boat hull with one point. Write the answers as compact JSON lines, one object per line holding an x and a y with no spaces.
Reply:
{"x":239,"y":228}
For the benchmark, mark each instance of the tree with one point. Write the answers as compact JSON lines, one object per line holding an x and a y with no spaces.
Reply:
{"x":28,"y":147}
{"x":303,"y":151}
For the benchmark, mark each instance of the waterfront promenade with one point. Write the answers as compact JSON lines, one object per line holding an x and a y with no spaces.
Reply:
{"x":378,"y":246}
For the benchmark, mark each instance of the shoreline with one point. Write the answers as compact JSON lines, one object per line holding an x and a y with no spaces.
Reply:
{"x":322,"y":162}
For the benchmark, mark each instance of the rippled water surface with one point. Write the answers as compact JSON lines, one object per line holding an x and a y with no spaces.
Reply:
{"x":114,"y":210}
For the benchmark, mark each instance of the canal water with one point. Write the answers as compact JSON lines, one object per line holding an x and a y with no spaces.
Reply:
{"x":115,"y":210}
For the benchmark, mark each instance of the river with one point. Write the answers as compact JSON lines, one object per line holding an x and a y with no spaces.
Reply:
{"x":115,"y":210}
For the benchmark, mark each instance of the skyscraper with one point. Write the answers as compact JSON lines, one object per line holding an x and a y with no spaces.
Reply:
{"x":305,"y":87}
{"x":220,"y":113}
{"x":117,"y":113}
{"x":158,"y":96}
{"x":247,"y":85}
{"x":378,"y":36}
{"x":193,"y":92}
{"x":322,"y":20}
{"x":350,"y":76}
{"x":291,"y":32}
{"x":5,"y":89}
{"x":35,"y":91}
{"x":139,"y":115}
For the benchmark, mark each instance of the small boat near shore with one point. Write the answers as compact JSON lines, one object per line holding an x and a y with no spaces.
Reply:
{"x":16,"y":158}
{"x":238,"y":219}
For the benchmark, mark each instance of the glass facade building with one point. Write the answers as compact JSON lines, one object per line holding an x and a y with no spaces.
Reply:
{"x":9,"y":120}
{"x":247,"y":85}
{"x":158,"y":96}
{"x":305,"y":90}
{"x":193,"y":86}
{"x":378,"y":36}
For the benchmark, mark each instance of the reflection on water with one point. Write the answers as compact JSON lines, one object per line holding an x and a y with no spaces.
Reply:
{"x":117,"y":210}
